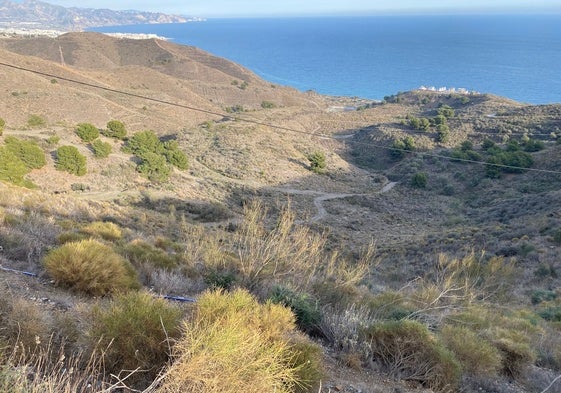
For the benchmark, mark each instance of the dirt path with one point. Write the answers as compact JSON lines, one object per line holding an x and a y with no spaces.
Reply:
{"x":321,"y":197}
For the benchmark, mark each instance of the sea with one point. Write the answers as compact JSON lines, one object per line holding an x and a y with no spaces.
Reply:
{"x":516,"y":56}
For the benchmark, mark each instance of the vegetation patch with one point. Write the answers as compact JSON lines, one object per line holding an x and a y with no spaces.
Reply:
{"x":69,"y":159}
{"x":87,"y":132}
{"x":90,"y":267}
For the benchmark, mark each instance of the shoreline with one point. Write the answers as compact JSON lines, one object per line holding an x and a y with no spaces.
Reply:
{"x":31,"y":33}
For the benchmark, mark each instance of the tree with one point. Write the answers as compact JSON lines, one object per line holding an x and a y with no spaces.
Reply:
{"x":115,"y":129}
{"x":446,"y":111}
{"x":144,"y":142}
{"x":12,"y":169}
{"x":154,"y":167}
{"x":87,"y":132}
{"x":27,"y":151}
{"x":317,"y":162}
{"x":443,"y":133}
{"x":69,"y":159}
{"x":101,"y":149}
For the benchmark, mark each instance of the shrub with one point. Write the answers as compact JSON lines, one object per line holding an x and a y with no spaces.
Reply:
{"x":306,"y":309}
{"x":268,"y":105}
{"x":28,"y":152}
{"x":144,"y":142}
{"x":175,"y":156}
{"x":36,"y":121}
{"x":317,"y":162}
{"x":12,"y":169}
{"x":476,"y":355}
{"x":446,"y":111}
{"x":101,"y":149}
{"x":139,"y":252}
{"x":443,"y":133}
{"x":53,"y":140}
{"x":115,"y":129}
{"x":419,"y":180}
{"x":154,"y":167}
{"x":2,"y":125}
{"x":419,"y":124}
{"x":514,"y":346}
{"x":104,"y":230}
{"x":91,"y":267}
{"x":409,"y":351}
{"x":69,"y":159}
{"x":134,"y":330}
{"x":87,"y":132}
{"x":234,"y":344}
{"x":532,"y":145}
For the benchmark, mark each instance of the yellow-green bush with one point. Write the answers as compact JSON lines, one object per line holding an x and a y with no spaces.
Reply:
{"x":476,"y":355}
{"x":133,"y":330}
{"x":409,"y":351}
{"x":234,"y":344}
{"x":514,"y":346}
{"x":104,"y":230}
{"x":91,"y":267}
{"x":139,"y":252}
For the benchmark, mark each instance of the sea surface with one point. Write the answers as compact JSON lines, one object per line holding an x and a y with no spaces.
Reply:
{"x":516,"y":56}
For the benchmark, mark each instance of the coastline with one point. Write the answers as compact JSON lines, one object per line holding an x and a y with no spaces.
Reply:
{"x":30,"y":33}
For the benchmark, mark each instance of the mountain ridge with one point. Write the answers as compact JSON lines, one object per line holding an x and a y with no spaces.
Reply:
{"x":33,"y":14}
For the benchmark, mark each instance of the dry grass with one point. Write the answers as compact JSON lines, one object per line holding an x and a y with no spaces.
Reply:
{"x":91,"y":267}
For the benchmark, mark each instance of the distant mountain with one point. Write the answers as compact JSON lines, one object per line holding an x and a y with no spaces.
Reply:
{"x":39,"y":15}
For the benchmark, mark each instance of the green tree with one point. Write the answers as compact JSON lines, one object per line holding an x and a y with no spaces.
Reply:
{"x":115,"y":129}
{"x":144,"y":142}
{"x":443,"y":133}
{"x":27,"y":151}
{"x":317,"y":161}
{"x":101,"y":149}
{"x":87,"y":132}
{"x":154,"y":167}
{"x":69,"y":159}
{"x":12,"y":169}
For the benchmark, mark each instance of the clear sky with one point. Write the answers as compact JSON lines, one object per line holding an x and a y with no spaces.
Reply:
{"x":234,"y":8}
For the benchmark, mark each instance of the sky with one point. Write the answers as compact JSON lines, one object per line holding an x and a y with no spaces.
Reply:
{"x":248,"y":8}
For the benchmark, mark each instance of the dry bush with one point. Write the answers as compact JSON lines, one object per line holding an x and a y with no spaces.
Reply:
{"x":173,"y":282}
{"x":91,"y":267}
{"x":476,"y":355}
{"x":139,"y":253}
{"x":285,"y":252}
{"x":104,"y":230}
{"x":407,"y":350}
{"x":135,"y":330}
{"x":234,"y":344}
{"x":514,"y":346}
{"x":22,"y":322}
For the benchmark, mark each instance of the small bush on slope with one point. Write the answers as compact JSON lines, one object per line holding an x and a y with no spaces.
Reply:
{"x":115,"y":129}
{"x":104,"y":230}
{"x":87,"y":132}
{"x":12,"y":169}
{"x":101,"y":149}
{"x":69,"y":159}
{"x":234,"y":344}
{"x":134,"y":330}
{"x":91,"y":267}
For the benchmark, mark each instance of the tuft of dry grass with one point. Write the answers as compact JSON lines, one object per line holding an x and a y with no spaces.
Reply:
{"x":91,"y":267}
{"x":104,"y":230}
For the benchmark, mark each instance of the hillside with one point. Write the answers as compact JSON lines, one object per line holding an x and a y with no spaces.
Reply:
{"x":34,"y":14}
{"x":457,"y":195}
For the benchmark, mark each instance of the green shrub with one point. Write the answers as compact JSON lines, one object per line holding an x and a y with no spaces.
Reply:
{"x":27,"y":151}
{"x":36,"y":121}
{"x":552,"y":313}
{"x":69,"y":159}
{"x":104,"y":230}
{"x":53,"y":140}
{"x":12,"y":169}
{"x":139,"y":252}
{"x":514,"y":346}
{"x":234,"y":344}
{"x":174,"y":156}
{"x":419,"y":180}
{"x":409,"y":351}
{"x":219,"y":279}
{"x":144,"y":142}
{"x":154,"y":167}
{"x":446,"y":111}
{"x":307,"y":311}
{"x":476,"y":355}
{"x":306,"y":361}
{"x":91,"y":267}
{"x":557,"y":236}
{"x":443,"y":133}
{"x":2,"y":125}
{"x":540,"y":296}
{"x":87,"y":132}
{"x":532,"y":145}
{"x":419,"y":123}
{"x":135,"y":330}
{"x":68,"y":237}
{"x":101,"y":149}
{"x":115,"y":129}
{"x":317,"y":161}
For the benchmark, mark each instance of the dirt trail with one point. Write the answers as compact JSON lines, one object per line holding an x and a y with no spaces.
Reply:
{"x":324,"y":196}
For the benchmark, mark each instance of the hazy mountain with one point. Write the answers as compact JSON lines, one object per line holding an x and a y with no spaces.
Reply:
{"x":40,"y":15}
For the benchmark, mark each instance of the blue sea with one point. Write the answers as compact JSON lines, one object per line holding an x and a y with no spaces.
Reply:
{"x":516,"y":56}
